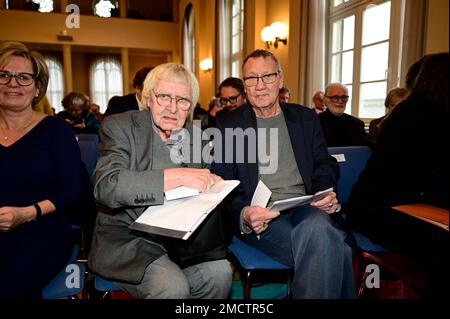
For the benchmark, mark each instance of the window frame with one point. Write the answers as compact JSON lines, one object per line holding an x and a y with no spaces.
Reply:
{"x":357,"y":8}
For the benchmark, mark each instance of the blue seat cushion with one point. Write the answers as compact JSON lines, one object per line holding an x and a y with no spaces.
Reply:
{"x":251,"y":258}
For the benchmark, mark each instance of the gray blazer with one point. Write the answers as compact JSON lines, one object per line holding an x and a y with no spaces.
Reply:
{"x":126,"y":183}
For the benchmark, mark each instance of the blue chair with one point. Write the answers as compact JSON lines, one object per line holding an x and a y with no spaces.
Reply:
{"x":251,"y":260}
{"x":105,"y":286}
{"x":88,"y":137}
{"x":89,"y":155}
{"x":352,"y":160}
{"x":69,"y":282}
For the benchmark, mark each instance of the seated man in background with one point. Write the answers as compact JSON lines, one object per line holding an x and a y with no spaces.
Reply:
{"x":284,"y":94}
{"x":339,"y":128}
{"x":132,"y":101}
{"x":231,"y":94}
{"x":318,"y":102}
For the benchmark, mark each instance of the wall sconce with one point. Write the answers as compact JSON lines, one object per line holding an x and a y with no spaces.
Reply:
{"x":63,"y":36}
{"x":206,"y":65}
{"x":274,"y":34}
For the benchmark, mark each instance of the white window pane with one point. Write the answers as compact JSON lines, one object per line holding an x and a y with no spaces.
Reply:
{"x":374,"y":62}
{"x":337,"y":2}
{"x":371,"y":101}
{"x":336,"y":68}
{"x":337,"y":36}
{"x":349,"y":33}
{"x":376,"y":23}
{"x":347,"y":67}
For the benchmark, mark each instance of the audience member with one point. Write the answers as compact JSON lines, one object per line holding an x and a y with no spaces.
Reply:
{"x":410,"y":165}
{"x":339,"y":128}
{"x":394,"y":96}
{"x":132,"y":101}
{"x":95,"y":108}
{"x":77,"y":115}
{"x":232,"y":94}
{"x":284,"y":94}
{"x":141,"y":158}
{"x":44,"y":106}
{"x":317,"y":99}
{"x":40,"y":178}
{"x":303,"y":237}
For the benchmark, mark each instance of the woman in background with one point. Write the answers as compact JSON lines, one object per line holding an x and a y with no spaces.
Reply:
{"x":77,"y":114}
{"x":410,"y":165}
{"x":394,"y":97}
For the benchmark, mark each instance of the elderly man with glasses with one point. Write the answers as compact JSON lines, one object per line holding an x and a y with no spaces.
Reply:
{"x":339,"y":128}
{"x":144,"y":154}
{"x":303,"y":237}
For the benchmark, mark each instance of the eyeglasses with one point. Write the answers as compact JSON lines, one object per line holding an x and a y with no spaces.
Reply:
{"x":266,"y":78}
{"x":231,"y":99}
{"x":336,"y":98}
{"x":22,"y":78}
{"x":165,"y":100}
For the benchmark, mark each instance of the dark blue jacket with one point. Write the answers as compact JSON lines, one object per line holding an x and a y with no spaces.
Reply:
{"x":318,"y":169}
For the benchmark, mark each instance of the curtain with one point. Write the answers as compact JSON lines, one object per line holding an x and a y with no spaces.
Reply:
{"x":105,"y":80}
{"x":55,"y":88}
{"x":413,"y":35}
{"x":312,"y":48}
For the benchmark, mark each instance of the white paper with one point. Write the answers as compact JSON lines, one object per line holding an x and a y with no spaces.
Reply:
{"x":339,"y":157}
{"x":284,"y":204}
{"x":180,"y":192}
{"x":261,"y":196}
{"x":179,"y":218}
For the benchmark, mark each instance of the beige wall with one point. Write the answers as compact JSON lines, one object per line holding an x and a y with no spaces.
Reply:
{"x":93,"y":31}
{"x":138,"y":61}
{"x":436,"y":39}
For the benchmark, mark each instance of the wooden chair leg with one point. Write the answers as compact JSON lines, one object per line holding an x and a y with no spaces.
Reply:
{"x":247,"y":284}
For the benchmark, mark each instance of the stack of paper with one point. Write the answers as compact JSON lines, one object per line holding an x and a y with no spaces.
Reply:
{"x":180,"y":217}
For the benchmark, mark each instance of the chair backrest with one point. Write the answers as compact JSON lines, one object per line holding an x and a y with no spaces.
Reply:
{"x":89,"y":154}
{"x":70,"y":280}
{"x":88,"y":137}
{"x":352,"y":160}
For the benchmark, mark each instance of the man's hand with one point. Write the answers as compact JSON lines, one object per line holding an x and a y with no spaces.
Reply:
{"x":258,"y":218}
{"x":200,"y":179}
{"x":328,"y":204}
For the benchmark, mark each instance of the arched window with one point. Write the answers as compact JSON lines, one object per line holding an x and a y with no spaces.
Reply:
{"x":189,"y":38}
{"x":231,"y":37}
{"x":55,"y":88}
{"x":105,"y":80}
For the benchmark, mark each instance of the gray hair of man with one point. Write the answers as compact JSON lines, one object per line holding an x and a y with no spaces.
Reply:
{"x":259,"y":53}
{"x":172,"y":72}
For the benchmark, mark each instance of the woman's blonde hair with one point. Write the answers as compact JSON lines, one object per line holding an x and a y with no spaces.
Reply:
{"x":40,"y":69}
{"x":172,"y":72}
